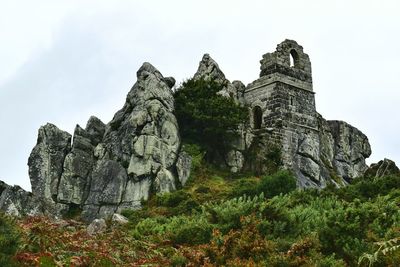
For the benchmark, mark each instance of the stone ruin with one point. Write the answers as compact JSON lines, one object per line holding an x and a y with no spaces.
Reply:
{"x":282,"y":103}
{"x":110,"y":167}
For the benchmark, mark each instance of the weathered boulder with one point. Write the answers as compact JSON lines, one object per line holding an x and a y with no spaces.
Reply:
{"x":385,"y":167}
{"x":119,"y":219}
{"x":47,"y":160}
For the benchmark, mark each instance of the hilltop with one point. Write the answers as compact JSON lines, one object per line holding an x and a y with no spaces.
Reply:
{"x":197,"y":169}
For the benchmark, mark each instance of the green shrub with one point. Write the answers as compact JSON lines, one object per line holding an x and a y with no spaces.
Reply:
{"x":344,"y":234}
{"x":150,"y":226}
{"x":172,"y":199}
{"x":207,"y":118}
{"x":194,"y":231}
{"x":248,"y":187}
{"x":226,"y":214}
{"x":9,"y":240}
{"x":179,"y":229}
{"x":281,"y":182}
{"x":365,"y":188}
{"x":178,"y":202}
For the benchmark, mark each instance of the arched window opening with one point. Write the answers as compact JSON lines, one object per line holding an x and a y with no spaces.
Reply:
{"x":257,"y":117}
{"x":294,"y":58}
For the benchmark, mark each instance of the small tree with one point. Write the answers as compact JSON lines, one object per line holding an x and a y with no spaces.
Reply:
{"x":207,"y":118}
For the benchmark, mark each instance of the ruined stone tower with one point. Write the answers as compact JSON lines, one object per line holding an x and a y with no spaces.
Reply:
{"x":283,"y":112}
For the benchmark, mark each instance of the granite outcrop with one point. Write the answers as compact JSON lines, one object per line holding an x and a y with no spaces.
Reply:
{"x":105,"y":168}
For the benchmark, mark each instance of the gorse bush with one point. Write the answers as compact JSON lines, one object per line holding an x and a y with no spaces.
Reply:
{"x":197,"y":229}
{"x":179,"y":229}
{"x":226,"y":214}
{"x":248,"y":187}
{"x":281,"y":182}
{"x":172,"y":199}
{"x":207,"y":118}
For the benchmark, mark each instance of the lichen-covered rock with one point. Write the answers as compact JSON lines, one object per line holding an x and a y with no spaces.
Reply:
{"x":385,"y":167}
{"x":209,"y":70}
{"x":119,"y":219}
{"x":351,"y":148}
{"x":111,"y":167}
{"x":335,"y":154}
{"x":170,"y":81}
{"x":47,"y":160}
{"x":108,"y":182}
{"x":144,"y":135}
{"x":135,"y":192}
{"x":17,"y":202}
{"x":97,"y":226}
{"x":78,"y":165}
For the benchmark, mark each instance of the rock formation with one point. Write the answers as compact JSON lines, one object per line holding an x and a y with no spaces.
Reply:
{"x":383,"y":168}
{"x":209,"y":70}
{"x":110,"y":167}
{"x":16,"y":201}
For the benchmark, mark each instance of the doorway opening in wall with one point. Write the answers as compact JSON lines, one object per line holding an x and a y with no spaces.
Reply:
{"x":294,"y":58}
{"x":257,"y":117}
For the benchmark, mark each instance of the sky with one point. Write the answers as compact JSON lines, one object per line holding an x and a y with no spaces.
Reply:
{"x":63,"y":61}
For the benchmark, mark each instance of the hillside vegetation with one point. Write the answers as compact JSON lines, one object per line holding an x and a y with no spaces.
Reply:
{"x":219,"y":219}
{"x":224,"y":219}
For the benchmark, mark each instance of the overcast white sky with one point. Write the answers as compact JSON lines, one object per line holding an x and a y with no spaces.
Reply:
{"x":62,"y":61}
